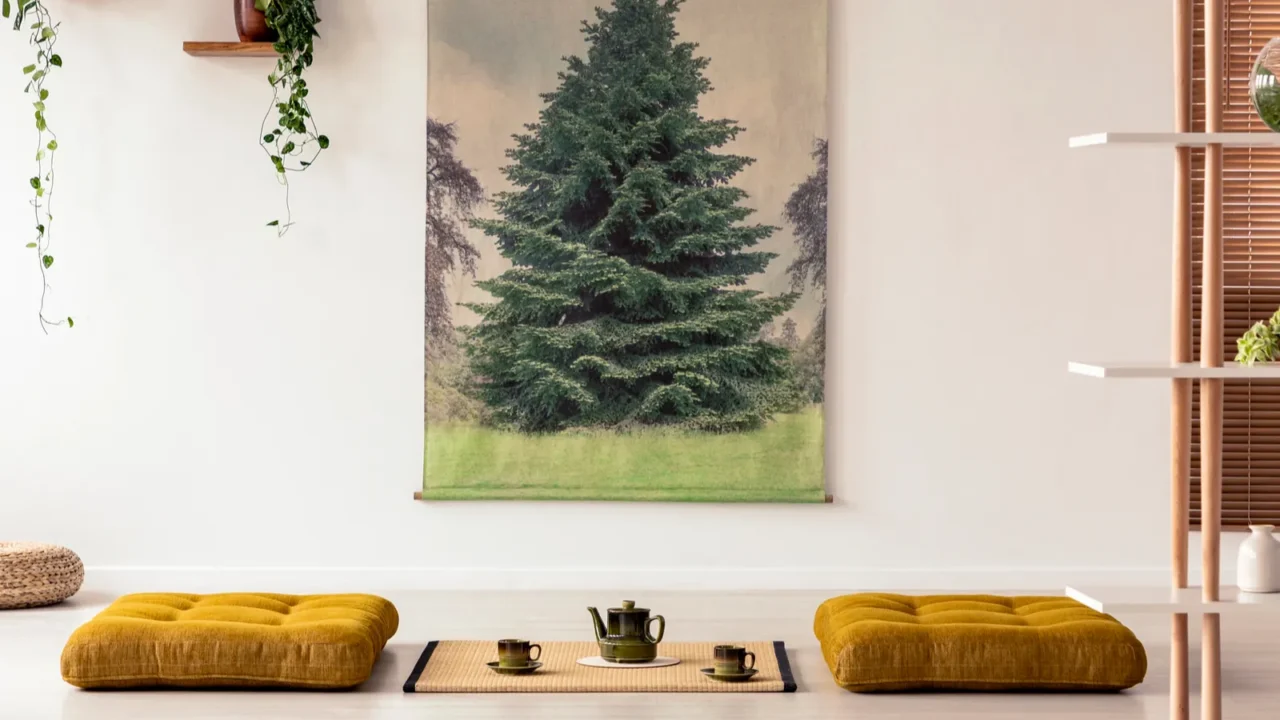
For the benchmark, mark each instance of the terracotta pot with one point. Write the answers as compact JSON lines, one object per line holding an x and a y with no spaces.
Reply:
{"x":251,"y":23}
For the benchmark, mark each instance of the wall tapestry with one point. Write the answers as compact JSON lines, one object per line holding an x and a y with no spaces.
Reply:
{"x":626,"y":250}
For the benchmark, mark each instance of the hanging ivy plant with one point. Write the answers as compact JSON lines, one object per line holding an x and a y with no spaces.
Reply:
{"x":35,"y":18}
{"x":293,"y":142}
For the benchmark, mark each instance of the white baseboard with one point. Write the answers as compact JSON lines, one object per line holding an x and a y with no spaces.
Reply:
{"x":122,"y":579}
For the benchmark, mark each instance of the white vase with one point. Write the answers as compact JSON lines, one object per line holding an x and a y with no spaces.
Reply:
{"x":1258,"y":564}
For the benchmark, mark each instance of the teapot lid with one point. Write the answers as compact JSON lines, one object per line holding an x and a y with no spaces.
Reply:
{"x":628,"y":606}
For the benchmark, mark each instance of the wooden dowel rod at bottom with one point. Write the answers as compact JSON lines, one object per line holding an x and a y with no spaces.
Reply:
{"x":828,"y":500}
{"x":1211,"y":668}
{"x":1179,"y":688}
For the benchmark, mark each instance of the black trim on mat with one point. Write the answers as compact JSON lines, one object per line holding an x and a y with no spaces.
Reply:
{"x":409,"y":685}
{"x":784,"y":666}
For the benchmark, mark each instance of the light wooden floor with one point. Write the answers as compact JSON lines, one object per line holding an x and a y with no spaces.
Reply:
{"x":31,"y":640}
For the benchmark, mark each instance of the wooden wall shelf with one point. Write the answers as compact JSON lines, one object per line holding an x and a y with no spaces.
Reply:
{"x":229,"y":49}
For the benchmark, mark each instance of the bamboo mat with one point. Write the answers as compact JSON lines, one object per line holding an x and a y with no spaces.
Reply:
{"x":458,"y":666}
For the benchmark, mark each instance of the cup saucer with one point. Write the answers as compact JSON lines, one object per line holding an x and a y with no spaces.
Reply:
{"x":516,"y":670}
{"x":743,"y":676}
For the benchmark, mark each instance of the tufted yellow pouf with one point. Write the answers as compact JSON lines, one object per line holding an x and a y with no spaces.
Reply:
{"x":880,"y":641}
{"x":232,"y":640}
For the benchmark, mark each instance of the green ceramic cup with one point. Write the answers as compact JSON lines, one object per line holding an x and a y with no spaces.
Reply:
{"x":517,"y":653}
{"x":732,"y":660}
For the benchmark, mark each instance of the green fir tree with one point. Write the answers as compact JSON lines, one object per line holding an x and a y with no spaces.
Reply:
{"x":625,"y":304}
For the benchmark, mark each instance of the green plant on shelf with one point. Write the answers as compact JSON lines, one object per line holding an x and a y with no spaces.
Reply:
{"x":33,"y":16}
{"x":1261,"y":343}
{"x":293,"y":142}
{"x":1265,"y":93}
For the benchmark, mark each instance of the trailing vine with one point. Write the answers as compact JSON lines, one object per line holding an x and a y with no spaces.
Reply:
{"x":43,"y":37}
{"x":294,"y":143}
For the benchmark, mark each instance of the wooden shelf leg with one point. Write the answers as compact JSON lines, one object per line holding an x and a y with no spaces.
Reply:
{"x":1210,"y":484}
{"x":1179,"y":688}
{"x":1211,"y":311}
{"x":1211,"y":668}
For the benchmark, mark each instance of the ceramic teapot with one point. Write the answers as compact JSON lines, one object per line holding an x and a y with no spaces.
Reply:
{"x":627,"y":638}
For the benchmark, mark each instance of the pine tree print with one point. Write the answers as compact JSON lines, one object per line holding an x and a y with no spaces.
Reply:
{"x":626,"y":305}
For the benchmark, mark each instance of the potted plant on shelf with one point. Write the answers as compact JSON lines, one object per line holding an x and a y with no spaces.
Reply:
{"x":1261,"y":343}
{"x":251,"y":21}
{"x":1264,"y":89}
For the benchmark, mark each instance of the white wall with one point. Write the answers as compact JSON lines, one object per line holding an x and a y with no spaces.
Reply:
{"x":231,"y":400}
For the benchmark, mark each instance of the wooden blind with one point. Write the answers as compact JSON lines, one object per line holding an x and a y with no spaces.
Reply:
{"x":1251,"y":269}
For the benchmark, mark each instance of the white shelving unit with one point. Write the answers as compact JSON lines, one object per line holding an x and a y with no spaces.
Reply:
{"x":1172,"y":371}
{"x":1177,"y":600}
{"x":1175,"y":139}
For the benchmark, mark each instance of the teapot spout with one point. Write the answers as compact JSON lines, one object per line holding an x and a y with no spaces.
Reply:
{"x":601,"y":631}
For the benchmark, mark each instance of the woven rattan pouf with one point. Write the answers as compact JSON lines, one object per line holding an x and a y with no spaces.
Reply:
{"x":34,"y":574}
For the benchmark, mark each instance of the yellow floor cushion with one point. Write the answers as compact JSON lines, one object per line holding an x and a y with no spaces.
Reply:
{"x":231,"y":640}
{"x":879,"y":641}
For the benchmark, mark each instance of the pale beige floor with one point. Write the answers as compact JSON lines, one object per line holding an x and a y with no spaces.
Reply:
{"x":31,"y":640}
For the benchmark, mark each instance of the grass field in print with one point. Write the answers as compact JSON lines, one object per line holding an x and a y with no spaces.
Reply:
{"x":781,"y":462}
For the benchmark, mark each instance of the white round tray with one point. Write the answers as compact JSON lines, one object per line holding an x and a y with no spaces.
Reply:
{"x":597,"y":661}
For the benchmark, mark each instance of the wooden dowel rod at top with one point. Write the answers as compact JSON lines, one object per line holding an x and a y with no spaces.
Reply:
{"x":1180,"y":352}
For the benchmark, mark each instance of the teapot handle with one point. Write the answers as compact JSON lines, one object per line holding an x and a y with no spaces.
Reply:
{"x":662,"y":628}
